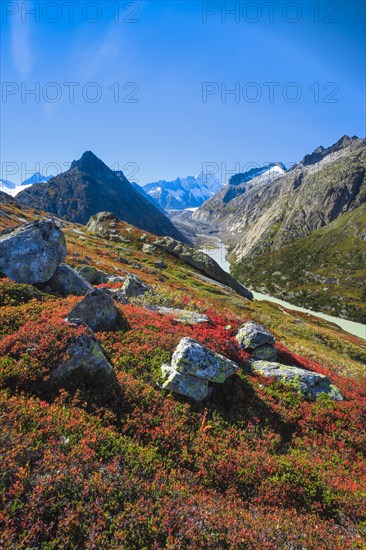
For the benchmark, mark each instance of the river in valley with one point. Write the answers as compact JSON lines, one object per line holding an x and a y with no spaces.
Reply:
{"x":357,"y":329}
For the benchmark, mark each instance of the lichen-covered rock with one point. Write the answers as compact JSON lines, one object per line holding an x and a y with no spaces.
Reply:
{"x":183,"y":315}
{"x":309,"y":384}
{"x":252,"y":335}
{"x":86,"y":363}
{"x":98,"y":312}
{"x":190,"y":357}
{"x":67,"y":281}
{"x":267,"y":352}
{"x":184,"y":384}
{"x":32,"y":252}
{"x":101,"y":223}
{"x":133,"y":287}
{"x":93,"y":275}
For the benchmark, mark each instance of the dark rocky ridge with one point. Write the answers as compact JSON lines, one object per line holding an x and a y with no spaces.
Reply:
{"x":88,"y":187}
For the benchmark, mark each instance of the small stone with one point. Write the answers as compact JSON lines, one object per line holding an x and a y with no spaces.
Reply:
{"x":93,"y":275}
{"x":184,"y":384}
{"x":133,"y":287}
{"x":67,"y":281}
{"x":309,"y":384}
{"x":87,"y":362}
{"x":190,"y":357}
{"x":182,"y":315}
{"x":160,"y":264}
{"x":253,"y":335}
{"x":148,"y":248}
{"x":98,"y":312}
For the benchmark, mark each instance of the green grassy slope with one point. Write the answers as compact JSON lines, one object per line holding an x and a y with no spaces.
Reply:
{"x":324,"y":271}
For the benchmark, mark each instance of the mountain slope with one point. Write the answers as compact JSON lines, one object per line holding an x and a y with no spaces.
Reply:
{"x":254,"y":466}
{"x":259,"y":223}
{"x":183,"y":193}
{"x":238,"y":185}
{"x":88,"y":187}
{"x":324,"y":271}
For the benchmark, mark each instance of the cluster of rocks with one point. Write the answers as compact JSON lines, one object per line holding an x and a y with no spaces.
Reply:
{"x":33,"y":254}
{"x":193,"y":368}
{"x":258,"y":341}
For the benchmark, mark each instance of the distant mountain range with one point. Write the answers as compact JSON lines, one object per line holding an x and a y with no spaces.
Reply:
{"x":12,"y":189}
{"x":301,"y":236}
{"x":89,"y":187}
{"x":181,"y":193}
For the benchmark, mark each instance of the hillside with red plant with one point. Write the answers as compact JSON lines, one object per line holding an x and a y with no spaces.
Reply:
{"x":255,"y":465}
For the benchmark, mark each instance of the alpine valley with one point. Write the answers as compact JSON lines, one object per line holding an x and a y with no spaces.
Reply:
{"x":300,"y":235}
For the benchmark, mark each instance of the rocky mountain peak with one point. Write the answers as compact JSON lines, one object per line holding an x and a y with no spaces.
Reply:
{"x":320,"y":152}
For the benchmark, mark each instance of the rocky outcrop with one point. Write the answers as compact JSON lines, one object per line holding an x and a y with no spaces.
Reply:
{"x":183,"y":315}
{"x":252,"y":335}
{"x":93,"y":275}
{"x":199,"y":260}
{"x":257,"y":340}
{"x":67,"y":281}
{"x":193,"y":367}
{"x":133,"y":287}
{"x":184,"y":384}
{"x":98,"y":312}
{"x":102,"y":223}
{"x":32,"y":252}
{"x":86,"y":364}
{"x":309,"y":384}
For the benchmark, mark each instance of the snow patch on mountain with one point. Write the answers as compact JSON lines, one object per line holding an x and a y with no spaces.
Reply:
{"x":182,"y":193}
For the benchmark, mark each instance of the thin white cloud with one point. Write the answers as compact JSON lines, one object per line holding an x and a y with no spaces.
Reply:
{"x":102,"y":52}
{"x":21,"y":44}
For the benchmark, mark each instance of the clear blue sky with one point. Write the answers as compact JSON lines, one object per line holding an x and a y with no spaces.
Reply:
{"x":171,"y":49}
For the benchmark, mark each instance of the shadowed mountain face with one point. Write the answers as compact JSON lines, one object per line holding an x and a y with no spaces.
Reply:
{"x":88,"y":187}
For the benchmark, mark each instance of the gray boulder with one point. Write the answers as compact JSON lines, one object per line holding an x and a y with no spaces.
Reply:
{"x":98,"y":312}
{"x":32,"y":252}
{"x":184,"y":384}
{"x":133,"y":287}
{"x":252,"y":335}
{"x":190,"y":357}
{"x":67,"y":281}
{"x":309,"y":384}
{"x":183,"y":315}
{"x":93,"y":275}
{"x":148,"y":248}
{"x":102,"y":223}
{"x":87,"y":362}
{"x":201,"y":261}
{"x":267,"y":352}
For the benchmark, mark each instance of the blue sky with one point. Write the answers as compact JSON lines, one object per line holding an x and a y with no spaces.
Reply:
{"x":151,"y":83}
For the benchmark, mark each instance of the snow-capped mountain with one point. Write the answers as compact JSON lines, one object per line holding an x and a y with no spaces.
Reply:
{"x":239,"y":184}
{"x":37,"y":177}
{"x":12,"y":189}
{"x":7,"y":186}
{"x":264,"y":173}
{"x":189,"y":192}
